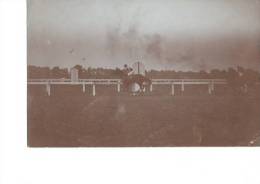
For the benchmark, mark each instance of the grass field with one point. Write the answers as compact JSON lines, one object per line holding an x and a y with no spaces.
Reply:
{"x":72,"y":118}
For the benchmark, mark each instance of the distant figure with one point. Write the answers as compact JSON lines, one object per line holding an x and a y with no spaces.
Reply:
{"x":136,"y":80}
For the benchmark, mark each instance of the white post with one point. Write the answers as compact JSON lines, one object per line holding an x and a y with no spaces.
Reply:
{"x":173,"y":89}
{"x":209,"y":88}
{"x":212,"y":86}
{"x":94,"y":90}
{"x":118,"y":87}
{"x":48,"y":89}
{"x":84,"y":87}
{"x":144,"y":89}
{"x":182,"y":85}
{"x":151,"y":87}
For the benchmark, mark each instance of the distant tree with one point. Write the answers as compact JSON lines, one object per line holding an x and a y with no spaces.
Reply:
{"x":38,"y":72}
{"x":58,"y":73}
{"x":80,"y":70}
{"x":232,"y":78}
{"x":55,"y":72}
{"x":203,"y":74}
{"x":79,"y":67}
{"x":119,"y":73}
{"x":216,"y":73}
{"x":248,"y":78}
{"x":239,"y":80}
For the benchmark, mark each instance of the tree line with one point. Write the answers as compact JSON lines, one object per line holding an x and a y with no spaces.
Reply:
{"x":238,"y":76}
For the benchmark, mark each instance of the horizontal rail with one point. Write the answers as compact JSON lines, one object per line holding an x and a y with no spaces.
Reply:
{"x":69,"y":80}
{"x":74,"y":83}
{"x":189,"y":79}
{"x":119,"y":81}
{"x":187,"y":82}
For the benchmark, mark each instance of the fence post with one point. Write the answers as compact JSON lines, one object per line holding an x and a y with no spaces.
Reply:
{"x":172,"y":89}
{"x":118,"y":87}
{"x":84,"y":87}
{"x":151,"y":87}
{"x":48,"y":88}
{"x":212,"y":86}
{"x":209,"y":88}
{"x":182,"y":85}
{"x":94,"y":89}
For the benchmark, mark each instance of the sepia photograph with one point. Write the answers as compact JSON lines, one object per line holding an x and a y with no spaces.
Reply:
{"x":143,"y":73}
{"x":129,"y":91}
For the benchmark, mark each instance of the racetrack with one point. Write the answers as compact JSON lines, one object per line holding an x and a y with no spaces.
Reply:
{"x":77,"y":119}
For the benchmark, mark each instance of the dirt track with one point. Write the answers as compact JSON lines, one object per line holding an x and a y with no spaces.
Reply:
{"x":123,"y":120}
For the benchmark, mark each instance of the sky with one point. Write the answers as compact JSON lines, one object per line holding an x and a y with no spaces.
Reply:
{"x":163,"y":34}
